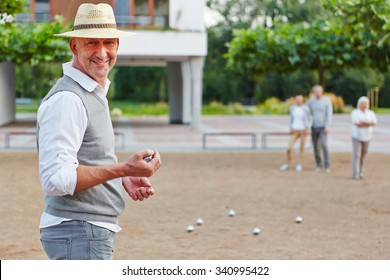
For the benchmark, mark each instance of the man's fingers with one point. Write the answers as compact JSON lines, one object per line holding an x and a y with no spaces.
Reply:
{"x":150,"y":191}
{"x":145,"y":182}
{"x":145,"y":153}
{"x":143,"y":192}
{"x":133,"y":196}
{"x":157,"y":157}
{"x":139,"y":195}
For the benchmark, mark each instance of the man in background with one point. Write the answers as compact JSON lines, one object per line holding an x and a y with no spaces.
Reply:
{"x":321,"y":109}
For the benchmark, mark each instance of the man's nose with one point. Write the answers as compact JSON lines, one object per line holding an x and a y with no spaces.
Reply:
{"x":101,"y":52}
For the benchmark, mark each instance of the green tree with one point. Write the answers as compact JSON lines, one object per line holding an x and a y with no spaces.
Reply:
{"x":12,"y":7}
{"x":225,"y":85}
{"x":33,"y":43}
{"x":367,"y":23}
{"x":353,"y":83}
{"x":287,"y":47}
{"x":323,"y":44}
{"x":30,"y":42}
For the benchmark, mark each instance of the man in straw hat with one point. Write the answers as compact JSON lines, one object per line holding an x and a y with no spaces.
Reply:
{"x":83,"y":182}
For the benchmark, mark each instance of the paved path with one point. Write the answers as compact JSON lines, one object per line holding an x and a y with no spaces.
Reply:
{"x":156,"y":132}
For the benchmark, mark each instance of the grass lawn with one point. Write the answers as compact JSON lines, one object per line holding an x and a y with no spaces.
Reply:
{"x":382,"y":111}
{"x":161,"y":108}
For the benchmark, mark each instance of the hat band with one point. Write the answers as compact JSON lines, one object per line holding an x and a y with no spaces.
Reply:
{"x":93,"y":26}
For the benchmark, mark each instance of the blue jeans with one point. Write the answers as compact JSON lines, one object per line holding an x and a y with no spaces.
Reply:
{"x":78,"y":240}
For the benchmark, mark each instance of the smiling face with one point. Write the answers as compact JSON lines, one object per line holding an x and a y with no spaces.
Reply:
{"x":94,"y":57}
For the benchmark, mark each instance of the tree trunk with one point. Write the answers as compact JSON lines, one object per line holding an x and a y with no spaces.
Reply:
{"x":321,"y":76}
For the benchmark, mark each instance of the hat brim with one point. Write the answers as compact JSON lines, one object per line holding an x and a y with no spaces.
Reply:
{"x":96,"y":33}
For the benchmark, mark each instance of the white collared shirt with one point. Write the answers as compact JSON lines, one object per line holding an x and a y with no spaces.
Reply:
{"x":363,"y":134}
{"x":63,"y":120}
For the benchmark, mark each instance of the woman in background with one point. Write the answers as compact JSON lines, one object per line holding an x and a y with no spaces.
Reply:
{"x":363,"y":121}
{"x":300,"y":123}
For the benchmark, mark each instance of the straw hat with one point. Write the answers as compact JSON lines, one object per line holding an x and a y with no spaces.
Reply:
{"x":95,"y":21}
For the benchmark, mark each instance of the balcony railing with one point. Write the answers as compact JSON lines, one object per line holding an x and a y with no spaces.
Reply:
{"x":122,"y":21}
{"x":38,"y":17}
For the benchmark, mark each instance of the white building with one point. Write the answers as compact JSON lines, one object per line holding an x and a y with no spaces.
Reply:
{"x":169,"y":33}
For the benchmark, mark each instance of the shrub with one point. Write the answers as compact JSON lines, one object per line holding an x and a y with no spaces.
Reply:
{"x":273,"y":106}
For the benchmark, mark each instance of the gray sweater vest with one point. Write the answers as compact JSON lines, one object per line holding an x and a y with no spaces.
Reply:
{"x":103,"y":202}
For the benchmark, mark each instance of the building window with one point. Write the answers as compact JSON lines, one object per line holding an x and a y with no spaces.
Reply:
{"x":149,"y":13}
{"x":161,"y":13}
{"x":42,"y":10}
{"x":142,"y":12}
{"x":37,"y":10}
{"x":122,"y":12}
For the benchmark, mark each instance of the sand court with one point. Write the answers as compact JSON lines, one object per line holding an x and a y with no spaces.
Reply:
{"x":342,"y":218}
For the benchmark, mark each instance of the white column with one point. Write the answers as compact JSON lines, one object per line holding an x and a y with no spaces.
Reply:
{"x":7,"y":93}
{"x":179,"y":76}
{"x":175,"y":92}
{"x":186,"y":72}
{"x":185,"y":91}
{"x":196,"y":65}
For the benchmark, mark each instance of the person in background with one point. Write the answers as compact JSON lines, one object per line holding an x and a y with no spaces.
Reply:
{"x":322,"y":112}
{"x":363,"y":121}
{"x":300,"y":122}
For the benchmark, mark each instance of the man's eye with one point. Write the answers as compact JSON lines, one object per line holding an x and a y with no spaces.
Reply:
{"x":92,"y":43}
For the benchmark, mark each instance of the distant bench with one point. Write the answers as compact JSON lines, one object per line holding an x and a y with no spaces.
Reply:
{"x":264,"y":137}
{"x":23,"y":101}
{"x":8,"y":134}
{"x":251,"y":135}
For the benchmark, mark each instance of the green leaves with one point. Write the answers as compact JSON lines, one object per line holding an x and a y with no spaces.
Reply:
{"x":12,"y":7}
{"x":356,"y":34}
{"x":33,"y":42}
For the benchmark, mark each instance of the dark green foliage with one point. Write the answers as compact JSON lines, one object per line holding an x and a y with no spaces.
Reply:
{"x":36,"y":81}
{"x":140,"y":84}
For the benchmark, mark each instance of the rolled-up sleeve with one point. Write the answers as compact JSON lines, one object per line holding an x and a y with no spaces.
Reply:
{"x":62,"y":122}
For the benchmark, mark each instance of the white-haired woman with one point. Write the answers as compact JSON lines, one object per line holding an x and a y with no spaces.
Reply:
{"x":363,"y":121}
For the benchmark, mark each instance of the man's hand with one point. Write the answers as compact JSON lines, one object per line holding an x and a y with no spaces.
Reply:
{"x":139,"y":188}
{"x":137,"y":166}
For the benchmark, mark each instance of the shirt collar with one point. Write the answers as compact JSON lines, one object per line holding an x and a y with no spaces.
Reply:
{"x":84,"y":80}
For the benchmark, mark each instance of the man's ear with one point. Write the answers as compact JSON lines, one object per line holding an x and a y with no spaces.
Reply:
{"x":72,"y":46}
{"x":117,"y":45}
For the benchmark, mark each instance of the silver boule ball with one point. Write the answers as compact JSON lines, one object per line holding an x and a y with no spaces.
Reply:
{"x":231,"y":213}
{"x":190,"y":228}
{"x":199,"y":221}
{"x":256,"y":231}
{"x":298,"y":219}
